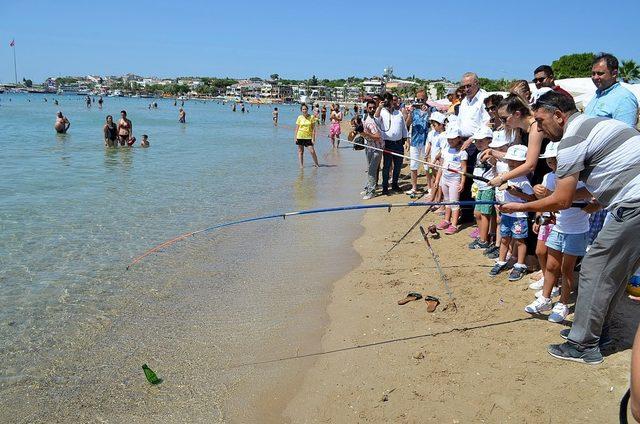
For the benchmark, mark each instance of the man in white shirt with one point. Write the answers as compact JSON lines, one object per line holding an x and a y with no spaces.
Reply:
{"x":393,"y":130}
{"x":472,"y":114}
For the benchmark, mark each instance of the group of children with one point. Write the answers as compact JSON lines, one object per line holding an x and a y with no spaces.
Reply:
{"x":561,"y":236}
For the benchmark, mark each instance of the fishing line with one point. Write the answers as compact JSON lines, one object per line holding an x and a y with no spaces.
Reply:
{"x":466,"y":174}
{"x":284,"y":215}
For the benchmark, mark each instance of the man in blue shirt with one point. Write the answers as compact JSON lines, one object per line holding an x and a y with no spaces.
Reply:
{"x":611,"y":100}
{"x":418,"y":120}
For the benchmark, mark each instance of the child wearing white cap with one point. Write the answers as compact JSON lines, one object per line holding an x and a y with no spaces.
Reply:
{"x":452,"y":181}
{"x":494,"y":155}
{"x":566,"y":242}
{"x":514,"y":225}
{"x":484,"y":214}
{"x":436,"y":140}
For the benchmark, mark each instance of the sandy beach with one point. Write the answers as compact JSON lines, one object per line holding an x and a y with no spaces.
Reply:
{"x":484,"y":362}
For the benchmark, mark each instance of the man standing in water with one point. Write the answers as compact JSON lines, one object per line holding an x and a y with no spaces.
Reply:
{"x":182,"y":116}
{"x":275,"y":116}
{"x":100,"y":102}
{"x":62,"y":123}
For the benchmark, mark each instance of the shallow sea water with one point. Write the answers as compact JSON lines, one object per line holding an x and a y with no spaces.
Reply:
{"x":75,"y":327}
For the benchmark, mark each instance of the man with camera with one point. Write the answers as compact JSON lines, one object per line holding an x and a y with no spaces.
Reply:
{"x":393,"y":129}
{"x":419,"y":118}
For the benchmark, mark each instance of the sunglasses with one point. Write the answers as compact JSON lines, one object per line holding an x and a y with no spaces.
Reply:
{"x":491,"y":108}
{"x":467,"y":85}
{"x":538,"y":80}
{"x":503,"y":119}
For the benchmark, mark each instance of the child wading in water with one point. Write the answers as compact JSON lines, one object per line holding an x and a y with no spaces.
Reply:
{"x":566,"y":242}
{"x":452,"y":183}
{"x":514,"y":225}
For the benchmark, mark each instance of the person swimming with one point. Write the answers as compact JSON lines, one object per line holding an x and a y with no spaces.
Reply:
{"x":145,"y":141}
{"x":62,"y":123}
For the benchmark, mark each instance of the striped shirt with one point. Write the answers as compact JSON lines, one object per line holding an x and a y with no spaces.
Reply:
{"x":606,"y":154}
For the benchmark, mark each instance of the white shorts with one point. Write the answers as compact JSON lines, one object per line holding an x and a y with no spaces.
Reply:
{"x":416,"y":153}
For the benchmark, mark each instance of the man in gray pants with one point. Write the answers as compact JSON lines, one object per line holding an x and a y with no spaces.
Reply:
{"x":372,"y":134}
{"x":602,"y":153}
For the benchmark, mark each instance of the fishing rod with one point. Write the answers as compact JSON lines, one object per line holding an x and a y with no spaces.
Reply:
{"x":466,"y":174}
{"x":443,"y":277}
{"x":284,"y":215}
{"x":415,"y":224}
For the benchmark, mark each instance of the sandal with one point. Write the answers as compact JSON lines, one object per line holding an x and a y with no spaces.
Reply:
{"x":432,"y":303}
{"x":451,"y":229}
{"x":443,"y":225}
{"x":411,"y":296}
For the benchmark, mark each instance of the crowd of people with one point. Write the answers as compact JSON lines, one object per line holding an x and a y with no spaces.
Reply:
{"x":545,"y":178}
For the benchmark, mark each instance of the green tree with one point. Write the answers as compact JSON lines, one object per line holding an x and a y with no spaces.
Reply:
{"x":629,"y":71}
{"x":313,"y":80}
{"x":573,"y":65}
{"x":66,"y":80}
{"x":274,"y":77}
{"x":494,"y":85}
{"x":27,"y":83}
{"x":440,"y":91}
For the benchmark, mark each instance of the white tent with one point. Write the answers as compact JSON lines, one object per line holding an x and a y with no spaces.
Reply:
{"x":583,"y":90}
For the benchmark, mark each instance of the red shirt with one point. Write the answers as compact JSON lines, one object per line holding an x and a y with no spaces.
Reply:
{"x":561,"y":90}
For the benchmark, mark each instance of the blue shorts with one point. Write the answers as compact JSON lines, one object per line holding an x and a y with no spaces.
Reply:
{"x":511,"y":226}
{"x":571,"y":244}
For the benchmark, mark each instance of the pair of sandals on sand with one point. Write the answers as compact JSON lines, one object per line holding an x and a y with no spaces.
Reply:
{"x":432,"y":302}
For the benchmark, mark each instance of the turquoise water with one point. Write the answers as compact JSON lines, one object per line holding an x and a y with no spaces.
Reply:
{"x":75,"y":326}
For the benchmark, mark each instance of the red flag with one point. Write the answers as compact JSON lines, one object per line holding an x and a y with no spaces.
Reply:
{"x":12,"y":43}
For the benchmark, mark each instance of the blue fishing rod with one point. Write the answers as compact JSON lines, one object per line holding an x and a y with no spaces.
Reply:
{"x":284,"y":215}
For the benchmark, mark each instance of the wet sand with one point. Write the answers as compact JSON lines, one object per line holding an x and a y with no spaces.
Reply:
{"x":485,"y":362}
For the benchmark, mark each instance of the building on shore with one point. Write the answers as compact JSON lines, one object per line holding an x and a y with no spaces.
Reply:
{"x":348,"y":93}
{"x":244,"y":89}
{"x":373,"y":86}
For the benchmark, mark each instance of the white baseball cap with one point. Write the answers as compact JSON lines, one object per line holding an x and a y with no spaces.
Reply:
{"x":551,"y":151}
{"x":517,"y":152}
{"x":438,"y":117}
{"x":453,"y":130}
{"x":499,"y":139}
{"x":482,"y":132}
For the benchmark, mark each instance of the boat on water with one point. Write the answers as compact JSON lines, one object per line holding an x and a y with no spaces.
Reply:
{"x":115,"y":93}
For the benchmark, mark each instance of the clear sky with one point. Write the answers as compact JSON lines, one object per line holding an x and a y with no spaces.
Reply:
{"x":296,"y":39}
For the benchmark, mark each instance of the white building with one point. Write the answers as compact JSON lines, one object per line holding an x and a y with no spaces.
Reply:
{"x":373,"y":86}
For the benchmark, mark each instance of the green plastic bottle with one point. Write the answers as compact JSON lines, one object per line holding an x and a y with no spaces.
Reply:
{"x":151,"y":376}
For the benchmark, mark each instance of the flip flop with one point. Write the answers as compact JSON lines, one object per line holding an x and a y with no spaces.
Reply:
{"x":432,"y":303}
{"x":411,"y":296}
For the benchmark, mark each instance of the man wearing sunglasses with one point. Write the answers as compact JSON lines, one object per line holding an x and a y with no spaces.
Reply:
{"x":472,"y":114}
{"x":543,"y":78}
